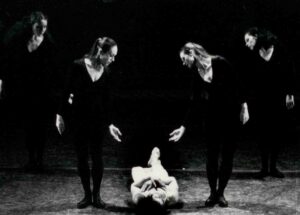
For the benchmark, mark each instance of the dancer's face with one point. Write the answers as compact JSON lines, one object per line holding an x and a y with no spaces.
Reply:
{"x":40,"y":27}
{"x":109,"y":57}
{"x":250,"y":41}
{"x":187,"y":59}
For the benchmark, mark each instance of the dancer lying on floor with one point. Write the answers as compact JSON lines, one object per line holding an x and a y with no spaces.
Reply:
{"x":153,"y":188}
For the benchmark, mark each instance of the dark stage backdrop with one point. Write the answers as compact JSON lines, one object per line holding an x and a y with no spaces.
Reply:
{"x":151,"y":86}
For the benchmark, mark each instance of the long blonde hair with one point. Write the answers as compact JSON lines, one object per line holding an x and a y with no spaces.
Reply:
{"x":197,"y":50}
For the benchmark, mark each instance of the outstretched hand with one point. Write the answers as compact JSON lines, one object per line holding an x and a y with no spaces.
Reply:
{"x":176,"y":134}
{"x":159,"y":183}
{"x":147,"y":186}
{"x":290,"y":102}
{"x":244,"y":114}
{"x":60,"y":124}
{"x":115,"y":132}
{"x":1,"y":88}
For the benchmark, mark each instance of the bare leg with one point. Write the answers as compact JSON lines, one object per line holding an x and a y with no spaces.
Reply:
{"x":157,"y":170}
{"x":154,"y":157}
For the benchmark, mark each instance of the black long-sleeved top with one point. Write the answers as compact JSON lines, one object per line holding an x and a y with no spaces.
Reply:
{"x":268,"y":81}
{"x":218,"y":100}
{"x":29,"y":75}
{"x":16,"y":54}
{"x":85,"y":101}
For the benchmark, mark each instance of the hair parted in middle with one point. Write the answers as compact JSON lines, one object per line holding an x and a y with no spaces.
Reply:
{"x":36,"y":16}
{"x":101,"y":44}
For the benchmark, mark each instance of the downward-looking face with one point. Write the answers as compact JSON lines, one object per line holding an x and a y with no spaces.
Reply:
{"x":187,"y":59}
{"x":109,"y":57}
{"x":40,"y":27}
{"x":250,"y":41}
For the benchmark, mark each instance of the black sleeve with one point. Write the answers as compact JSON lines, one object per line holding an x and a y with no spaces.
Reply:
{"x":64,"y":105}
{"x":52,"y":70}
{"x":189,"y":117}
{"x":291,"y":78}
{"x":243,"y":69}
{"x":13,"y":41}
{"x":110,"y":97}
{"x":288,"y":66}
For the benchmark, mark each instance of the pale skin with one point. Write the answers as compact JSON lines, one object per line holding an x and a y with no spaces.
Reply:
{"x":150,"y":187}
{"x":154,"y":182}
{"x":1,"y":88}
{"x":38,"y":29}
{"x":188,"y":60}
{"x":95,"y":71}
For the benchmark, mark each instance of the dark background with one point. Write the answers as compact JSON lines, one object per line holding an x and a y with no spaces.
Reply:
{"x":151,"y":87}
{"x":150,"y":33}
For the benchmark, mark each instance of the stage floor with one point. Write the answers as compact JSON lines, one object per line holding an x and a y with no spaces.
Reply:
{"x":56,"y":192}
{"x":58,"y":189}
{"x":189,"y":153}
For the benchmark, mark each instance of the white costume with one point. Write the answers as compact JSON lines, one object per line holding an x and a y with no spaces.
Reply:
{"x":154,"y":180}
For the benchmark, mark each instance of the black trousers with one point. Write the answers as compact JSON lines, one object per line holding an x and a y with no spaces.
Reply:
{"x":88,"y":143}
{"x":270,"y":123}
{"x":37,"y":118}
{"x":36,"y":136}
{"x":270,"y":140}
{"x":221,"y":145}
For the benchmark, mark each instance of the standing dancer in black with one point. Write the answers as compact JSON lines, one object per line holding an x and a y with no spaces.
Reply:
{"x":28,"y":68}
{"x":215,"y":89}
{"x":87,"y":96}
{"x":269,"y":75}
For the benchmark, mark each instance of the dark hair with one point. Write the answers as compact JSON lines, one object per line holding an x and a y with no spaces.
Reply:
{"x":101,"y":45}
{"x":252,"y":31}
{"x":22,"y":30}
{"x":148,"y":206}
{"x":36,"y":16}
{"x":265,"y":38}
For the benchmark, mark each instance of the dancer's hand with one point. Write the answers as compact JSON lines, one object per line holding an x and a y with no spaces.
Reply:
{"x":60,"y":124}
{"x":244,"y":114}
{"x":289,"y":101}
{"x":159,"y":183}
{"x":1,"y":89}
{"x":147,"y":186}
{"x":154,"y":180}
{"x":115,"y":132}
{"x":176,"y":134}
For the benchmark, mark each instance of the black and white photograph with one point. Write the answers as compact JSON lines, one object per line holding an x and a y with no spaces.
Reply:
{"x":149,"y":107}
